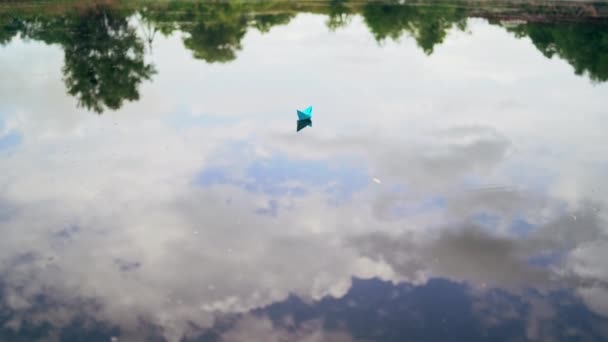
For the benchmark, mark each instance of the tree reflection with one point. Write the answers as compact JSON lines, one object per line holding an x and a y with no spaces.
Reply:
{"x":104,"y":57}
{"x":9,"y":27}
{"x":217,"y":31}
{"x":214,"y":30}
{"x":428,"y":25}
{"x":339,"y":14}
{"x":264,"y":22}
{"x":583,"y":45}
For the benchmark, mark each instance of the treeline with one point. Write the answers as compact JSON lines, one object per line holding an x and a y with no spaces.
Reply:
{"x":104,"y":51}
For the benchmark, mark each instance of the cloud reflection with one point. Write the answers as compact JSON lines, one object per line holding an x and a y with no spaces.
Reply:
{"x":125,"y":225}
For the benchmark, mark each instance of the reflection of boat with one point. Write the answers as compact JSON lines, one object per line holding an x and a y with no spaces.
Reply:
{"x":303,"y":124}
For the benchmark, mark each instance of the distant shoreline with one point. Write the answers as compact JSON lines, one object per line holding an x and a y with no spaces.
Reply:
{"x":504,"y":11}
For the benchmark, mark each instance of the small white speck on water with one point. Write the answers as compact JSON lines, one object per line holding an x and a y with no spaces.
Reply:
{"x":573,"y":217}
{"x":114,"y":339}
{"x":377,"y":181}
{"x":195,"y":232}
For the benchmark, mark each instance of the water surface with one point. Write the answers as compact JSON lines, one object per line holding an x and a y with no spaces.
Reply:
{"x":452,"y":186}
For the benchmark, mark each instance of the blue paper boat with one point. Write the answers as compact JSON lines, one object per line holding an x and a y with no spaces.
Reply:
{"x":306,"y":114}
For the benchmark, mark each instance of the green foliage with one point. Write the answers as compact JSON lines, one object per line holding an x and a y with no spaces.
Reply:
{"x":104,"y":58}
{"x":217,"y":31}
{"x":9,"y":27}
{"x":264,"y":22}
{"x":428,"y":25}
{"x":583,"y":45}
{"x":339,"y":14}
{"x":104,"y":61}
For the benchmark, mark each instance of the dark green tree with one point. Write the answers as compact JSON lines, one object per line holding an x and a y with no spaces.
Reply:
{"x":214,"y":29}
{"x":104,"y":58}
{"x":264,"y":22}
{"x":428,"y":25}
{"x":216,"y":32}
{"x":339,"y":14}
{"x":104,"y":61}
{"x":9,"y":28}
{"x":582,"y":45}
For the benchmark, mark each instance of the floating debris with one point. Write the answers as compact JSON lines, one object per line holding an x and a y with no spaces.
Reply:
{"x":376,"y":180}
